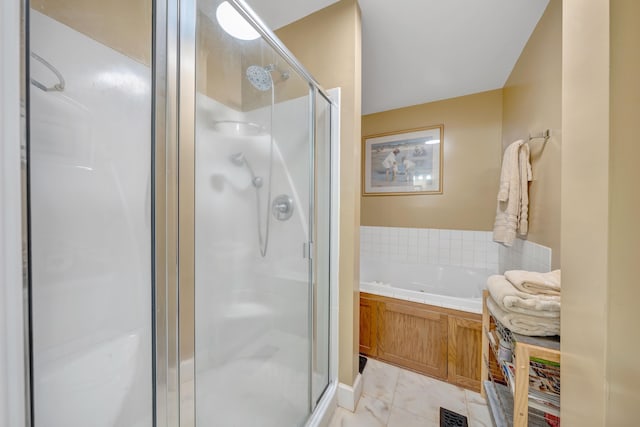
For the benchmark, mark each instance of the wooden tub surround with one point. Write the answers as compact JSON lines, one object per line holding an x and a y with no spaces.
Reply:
{"x":439,"y":342}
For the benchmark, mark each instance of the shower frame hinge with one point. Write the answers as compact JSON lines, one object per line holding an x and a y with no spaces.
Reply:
{"x":307,"y":249}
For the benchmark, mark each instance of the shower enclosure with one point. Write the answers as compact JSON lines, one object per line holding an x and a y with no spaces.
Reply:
{"x":178,"y":184}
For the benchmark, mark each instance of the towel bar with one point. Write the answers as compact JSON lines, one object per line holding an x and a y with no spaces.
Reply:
{"x":546,"y":134}
{"x":58,"y":86}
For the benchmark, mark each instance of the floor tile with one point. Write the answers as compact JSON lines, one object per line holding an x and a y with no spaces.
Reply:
{"x":416,"y":401}
{"x":379,"y":380}
{"x":423,"y":396}
{"x":337,"y":417}
{"x":478,"y":410}
{"x":400,"y":418}
{"x":369,"y":413}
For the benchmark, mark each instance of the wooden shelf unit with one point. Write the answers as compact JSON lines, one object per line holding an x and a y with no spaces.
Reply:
{"x":524,"y":348}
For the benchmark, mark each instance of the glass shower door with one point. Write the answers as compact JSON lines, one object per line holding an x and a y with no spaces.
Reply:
{"x":321,"y":264}
{"x":90,"y":214}
{"x":253,"y":150}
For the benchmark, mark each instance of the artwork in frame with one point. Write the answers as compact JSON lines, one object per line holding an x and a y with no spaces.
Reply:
{"x":403,"y":162}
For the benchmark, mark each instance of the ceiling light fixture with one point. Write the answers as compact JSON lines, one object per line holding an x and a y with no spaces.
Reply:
{"x":233,"y":23}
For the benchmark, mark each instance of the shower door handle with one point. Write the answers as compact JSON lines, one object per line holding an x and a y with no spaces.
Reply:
{"x":307,"y":250}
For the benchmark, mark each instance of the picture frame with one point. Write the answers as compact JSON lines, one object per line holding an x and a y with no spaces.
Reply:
{"x":403,"y":162}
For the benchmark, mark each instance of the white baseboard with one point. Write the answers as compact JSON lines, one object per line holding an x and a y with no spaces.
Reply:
{"x":348,"y":396}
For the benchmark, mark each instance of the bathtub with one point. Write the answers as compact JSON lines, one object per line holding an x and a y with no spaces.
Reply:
{"x":457,"y":288}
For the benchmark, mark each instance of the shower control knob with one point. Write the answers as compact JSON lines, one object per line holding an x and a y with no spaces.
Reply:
{"x":282,"y":207}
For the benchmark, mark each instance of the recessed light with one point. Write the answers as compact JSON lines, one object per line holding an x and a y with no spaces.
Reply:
{"x":234,"y":24}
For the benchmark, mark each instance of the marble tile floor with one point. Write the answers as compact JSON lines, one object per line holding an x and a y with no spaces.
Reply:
{"x":396,"y":397}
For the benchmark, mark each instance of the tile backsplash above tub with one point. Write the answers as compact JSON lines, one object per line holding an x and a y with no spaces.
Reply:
{"x":525,"y":255}
{"x":474,"y":249}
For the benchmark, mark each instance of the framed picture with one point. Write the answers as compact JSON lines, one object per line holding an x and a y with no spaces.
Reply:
{"x":403,"y":162}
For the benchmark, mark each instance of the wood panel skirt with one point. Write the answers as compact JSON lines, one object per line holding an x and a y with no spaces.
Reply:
{"x":439,"y":342}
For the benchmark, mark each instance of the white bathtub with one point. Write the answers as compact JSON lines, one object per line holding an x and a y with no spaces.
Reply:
{"x":458,"y":288}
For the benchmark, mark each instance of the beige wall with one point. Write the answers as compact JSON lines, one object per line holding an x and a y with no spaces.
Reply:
{"x":472,"y":151}
{"x":123,"y":25}
{"x":222,"y":82}
{"x":600,"y":211}
{"x":328,"y":43}
{"x":533,"y":102}
{"x":623,"y":344}
{"x":585,"y":216}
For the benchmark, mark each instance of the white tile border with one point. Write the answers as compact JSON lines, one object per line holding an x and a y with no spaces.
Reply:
{"x":460,"y":248}
{"x":349,"y":396}
{"x":525,"y":255}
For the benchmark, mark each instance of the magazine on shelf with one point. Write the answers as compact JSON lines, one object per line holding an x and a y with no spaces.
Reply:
{"x":542,"y":389}
{"x":544,"y":378}
{"x":509,"y":373}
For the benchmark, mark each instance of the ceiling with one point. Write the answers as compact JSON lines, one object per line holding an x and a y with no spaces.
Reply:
{"x":418,"y":51}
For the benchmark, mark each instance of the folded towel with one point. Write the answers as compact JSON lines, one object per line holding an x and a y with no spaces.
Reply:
{"x":535,"y":283}
{"x":514,"y":300}
{"x":523,"y":324}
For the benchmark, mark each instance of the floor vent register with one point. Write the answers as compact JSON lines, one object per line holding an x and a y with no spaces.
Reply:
{"x":452,"y":419}
{"x":363,"y":363}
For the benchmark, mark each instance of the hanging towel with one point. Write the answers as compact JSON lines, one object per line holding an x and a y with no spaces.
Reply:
{"x":524,"y":168}
{"x":513,"y":198}
{"x":535,"y":283}
{"x":523,"y":324}
{"x":513,"y":300}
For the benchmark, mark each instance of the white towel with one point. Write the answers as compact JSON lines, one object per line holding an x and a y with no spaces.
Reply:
{"x":511,"y":299}
{"x":535,"y":283}
{"x":524,"y":167}
{"x":513,"y":197}
{"x":523,"y":324}
{"x":509,"y":170}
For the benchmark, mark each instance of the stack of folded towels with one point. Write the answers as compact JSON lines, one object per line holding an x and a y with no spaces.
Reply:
{"x":526,"y":302}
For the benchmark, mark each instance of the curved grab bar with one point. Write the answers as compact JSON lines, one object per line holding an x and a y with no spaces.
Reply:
{"x":57,"y":87}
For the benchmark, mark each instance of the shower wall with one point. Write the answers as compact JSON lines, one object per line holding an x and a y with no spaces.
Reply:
{"x":123,"y":25}
{"x":227,"y":229}
{"x":90,"y":157}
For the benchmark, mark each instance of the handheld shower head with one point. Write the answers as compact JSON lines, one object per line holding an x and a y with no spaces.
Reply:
{"x":239,"y":159}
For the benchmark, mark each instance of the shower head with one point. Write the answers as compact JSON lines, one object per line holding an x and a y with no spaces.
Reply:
{"x":259,"y":77}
